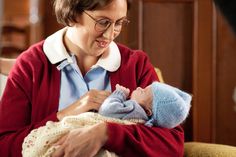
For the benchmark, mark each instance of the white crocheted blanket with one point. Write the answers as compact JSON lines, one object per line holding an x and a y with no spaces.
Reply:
{"x":39,"y":143}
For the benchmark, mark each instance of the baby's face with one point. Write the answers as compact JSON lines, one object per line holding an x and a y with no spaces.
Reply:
{"x":143,"y":97}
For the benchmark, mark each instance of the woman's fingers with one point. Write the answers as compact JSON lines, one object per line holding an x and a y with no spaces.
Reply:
{"x":59,"y":152}
{"x":92,"y":100}
{"x":85,"y":141}
{"x":61,"y":140}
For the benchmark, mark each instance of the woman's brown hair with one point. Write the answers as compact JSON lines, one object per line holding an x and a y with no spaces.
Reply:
{"x":67,"y":10}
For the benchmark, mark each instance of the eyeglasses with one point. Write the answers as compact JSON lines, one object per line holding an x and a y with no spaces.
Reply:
{"x":102,"y":25}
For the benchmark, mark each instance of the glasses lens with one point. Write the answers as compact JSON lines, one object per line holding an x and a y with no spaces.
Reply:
{"x":103,"y":24}
{"x":120,"y":24}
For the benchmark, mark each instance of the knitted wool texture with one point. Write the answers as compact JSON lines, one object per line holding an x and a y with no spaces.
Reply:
{"x":170,"y":105}
{"x":39,"y":143}
{"x":117,"y":106}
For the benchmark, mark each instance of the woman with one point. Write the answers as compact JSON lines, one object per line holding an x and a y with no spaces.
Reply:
{"x":72,"y":72}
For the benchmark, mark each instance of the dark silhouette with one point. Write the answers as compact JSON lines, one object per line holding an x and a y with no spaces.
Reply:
{"x":228,"y":9}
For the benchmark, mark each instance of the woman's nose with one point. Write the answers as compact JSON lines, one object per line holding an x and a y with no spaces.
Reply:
{"x":110,"y":33}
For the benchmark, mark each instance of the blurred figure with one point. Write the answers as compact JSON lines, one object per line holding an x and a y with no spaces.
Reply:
{"x":228,"y":9}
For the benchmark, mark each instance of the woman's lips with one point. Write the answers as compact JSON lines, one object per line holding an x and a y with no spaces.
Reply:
{"x":102,"y":44}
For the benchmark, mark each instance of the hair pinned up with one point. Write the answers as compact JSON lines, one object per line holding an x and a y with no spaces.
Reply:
{"x":67,"y":10}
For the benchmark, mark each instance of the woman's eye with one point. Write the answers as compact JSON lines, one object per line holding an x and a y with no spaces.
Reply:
{"x":119,"y":23}
{"x":104,"y":22}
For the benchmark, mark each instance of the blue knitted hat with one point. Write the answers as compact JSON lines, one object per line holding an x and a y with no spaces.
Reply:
{"x":170,"y":105}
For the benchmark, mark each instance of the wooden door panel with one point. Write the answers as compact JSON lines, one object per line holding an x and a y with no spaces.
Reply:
{"x":167,"y":38}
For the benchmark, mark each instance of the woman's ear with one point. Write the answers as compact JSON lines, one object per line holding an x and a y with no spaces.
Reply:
{"x":77,"y":20}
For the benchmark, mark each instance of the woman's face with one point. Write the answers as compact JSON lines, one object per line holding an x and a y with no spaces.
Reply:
{"x":90,"y":41}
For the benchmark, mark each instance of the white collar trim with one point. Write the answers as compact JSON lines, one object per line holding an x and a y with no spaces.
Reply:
{"x":110,"y":60}
{"x":55,"y":51}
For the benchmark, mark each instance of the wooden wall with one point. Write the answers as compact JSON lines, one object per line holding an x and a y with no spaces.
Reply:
{"x":16,"y":11}
{"x":193,"y":46}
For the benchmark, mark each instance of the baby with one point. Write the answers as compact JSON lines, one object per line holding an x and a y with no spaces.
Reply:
{"x":159,"y":104}
{"x":156,"y":105}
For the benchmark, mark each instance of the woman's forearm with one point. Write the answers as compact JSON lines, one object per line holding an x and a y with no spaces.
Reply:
{"x":140,"y":140}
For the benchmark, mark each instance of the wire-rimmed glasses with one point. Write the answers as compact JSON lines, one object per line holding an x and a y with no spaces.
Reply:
{"x":101,"y":25}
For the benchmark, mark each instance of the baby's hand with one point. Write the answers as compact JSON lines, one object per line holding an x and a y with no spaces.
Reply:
{"x":124,"y":89}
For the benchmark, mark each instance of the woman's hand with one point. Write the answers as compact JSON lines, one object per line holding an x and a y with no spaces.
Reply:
{"x":92,"y":100}
{"x":82,"y":142}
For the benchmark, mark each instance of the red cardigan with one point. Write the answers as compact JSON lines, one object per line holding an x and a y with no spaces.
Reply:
{"x":31,"y":99}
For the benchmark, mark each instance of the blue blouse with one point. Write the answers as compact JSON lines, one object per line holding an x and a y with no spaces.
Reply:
{"x":74,"y":85}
